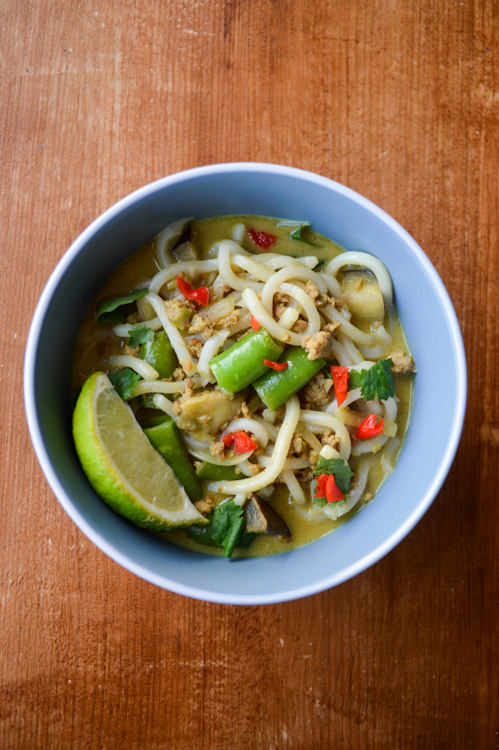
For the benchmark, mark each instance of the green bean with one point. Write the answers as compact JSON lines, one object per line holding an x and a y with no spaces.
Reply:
{"x":274,"y":388}
{"x":167,"y":440}
{"x":240,"y":365}
{"x":159,"y":353}
{"x":218,"y":473}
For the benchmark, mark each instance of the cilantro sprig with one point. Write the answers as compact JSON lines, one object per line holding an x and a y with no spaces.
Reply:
{"x":224,"y":528}
{"x":342,"y":475}
{"x":124,"y":381}
{"x":139,"y":335}
{"x":108,"y":310}
{"x":378,"y":381}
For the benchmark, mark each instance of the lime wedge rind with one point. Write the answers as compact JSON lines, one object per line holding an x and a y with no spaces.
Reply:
{"x":121,"y":464}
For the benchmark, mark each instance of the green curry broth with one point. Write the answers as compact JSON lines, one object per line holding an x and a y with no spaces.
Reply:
{"x":96,"y":342}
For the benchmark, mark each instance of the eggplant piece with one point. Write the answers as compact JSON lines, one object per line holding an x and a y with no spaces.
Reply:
{"x":261,"y":518}
{"x":360,"y":290}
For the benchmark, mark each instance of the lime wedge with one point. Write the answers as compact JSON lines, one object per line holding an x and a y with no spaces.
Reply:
{"x":121,"y":464}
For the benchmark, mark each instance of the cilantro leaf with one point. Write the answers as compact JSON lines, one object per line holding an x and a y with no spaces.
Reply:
{"x":377,"y":381}
{"x":320,"y":501}
{"x":124,"y":381}
{"x":223,"y":530}
{"x":339,"y":468}
{"x":355,"y":379}
{"x":296,"y":234}
{"x":107,"y":309}
{"x":139,"y":335}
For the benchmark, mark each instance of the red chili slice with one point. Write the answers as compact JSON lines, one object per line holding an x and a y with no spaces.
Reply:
{"x":320,"y":485}
{"x":368,"y":428}
{"x":278,"y":366}
{"x":333,"y":492}
{"x":254,"y":323}
{"x":201,"y":295}
{"x":340,"y":380}
{"x":242,"y":442}
{"x":262,"y":239}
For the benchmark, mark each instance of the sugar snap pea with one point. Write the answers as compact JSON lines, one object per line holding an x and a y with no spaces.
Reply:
{"x":237,"y":367}
{"x":159,"y":353}
{"x":274,"y":388}
{"x":218,"y":473}
{"x":167,"y":440}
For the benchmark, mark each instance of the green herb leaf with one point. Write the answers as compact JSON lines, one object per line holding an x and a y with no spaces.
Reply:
{"x":339,"y":468}
{"x":139,"y":335}
{"x":124,"y":381}
{"x":296,"y":234}
{"x":245,"y":539}
{"x":320,"y":501}
{"x":378,"y":381}
{"x":107,"y":309}
{"x":355,"y":379}
{"x":223,"y":530}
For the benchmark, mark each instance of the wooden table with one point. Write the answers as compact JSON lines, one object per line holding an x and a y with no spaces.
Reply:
{"x":398,"y":100}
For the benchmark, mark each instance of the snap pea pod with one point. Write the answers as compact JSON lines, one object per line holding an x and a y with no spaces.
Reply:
{"x":153,"y":420}
{"x":275,"y":388}
{"x":237,"y":367}
{"x":218,"y":473}
{"x":159,"y":353}
{"x":167,"y":440}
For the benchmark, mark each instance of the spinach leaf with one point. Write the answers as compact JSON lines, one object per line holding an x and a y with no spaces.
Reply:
{"x":107,"y":309}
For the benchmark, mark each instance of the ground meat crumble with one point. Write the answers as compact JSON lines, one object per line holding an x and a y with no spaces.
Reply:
{"x":316,"y":392}
{"x":402,"y":363}
{"x":319,"y":345}
{"x":329,"y":438}
{"x":194,"y":347}
{"x":203,"y":324}
{"x":205,"y":505}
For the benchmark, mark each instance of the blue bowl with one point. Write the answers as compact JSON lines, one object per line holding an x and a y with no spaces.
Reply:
{"x":426,"y":313}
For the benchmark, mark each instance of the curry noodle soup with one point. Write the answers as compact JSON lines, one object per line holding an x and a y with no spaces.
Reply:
{"x":269,"y":369}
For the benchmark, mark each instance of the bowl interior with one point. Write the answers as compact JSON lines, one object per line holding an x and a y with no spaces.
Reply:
{"x":424,"y":308}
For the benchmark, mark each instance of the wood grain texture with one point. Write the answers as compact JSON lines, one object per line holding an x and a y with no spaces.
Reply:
{"x":398,"y":100}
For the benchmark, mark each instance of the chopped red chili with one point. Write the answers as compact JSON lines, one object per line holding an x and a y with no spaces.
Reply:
{"x":325,"y":486}
{"x":262,"y":239}
{"x":241,"y":441}
{"x":368,"y":428}
{"x":201,"y":295}
{"x":278,"y":366}
{"x":320,"y":485}
{"x":340,"y":380}
{"x":254,"y":323}
{"x":333,"y":492}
